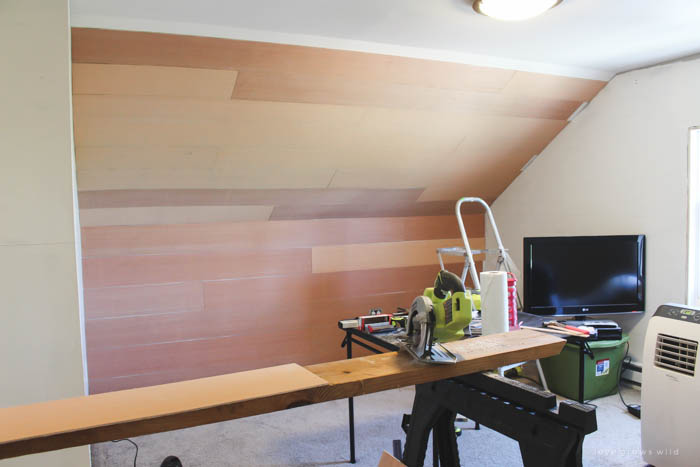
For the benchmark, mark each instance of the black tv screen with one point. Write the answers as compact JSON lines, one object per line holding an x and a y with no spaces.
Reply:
{"x":583,"y":275}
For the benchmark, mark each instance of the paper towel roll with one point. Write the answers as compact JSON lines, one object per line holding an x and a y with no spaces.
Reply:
{"x":494,"y":302}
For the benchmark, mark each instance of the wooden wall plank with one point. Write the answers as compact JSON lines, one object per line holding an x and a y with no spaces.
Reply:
{"x":139,"y":48}
{"x":153,"y":269}
{"x":361,"y":210}
{"x":275,"y":290}
{"x":111,"y":302}
{"x":315,"y":89}
{"x":172,"y":215}
{"x":243,"y":178}
{"x":154,"y":239}
{"x":360,"y":257}
{"x":562,"y":87}
{"x":251,"y":197}
{"x":145,"y":157}
{"x":228,"y":353}
{"x":145,"y":80}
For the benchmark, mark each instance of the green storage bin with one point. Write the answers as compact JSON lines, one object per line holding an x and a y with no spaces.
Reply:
{"x":600,"y":373}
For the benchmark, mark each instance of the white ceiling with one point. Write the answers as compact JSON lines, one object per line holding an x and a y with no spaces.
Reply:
{"x":584,"y":38}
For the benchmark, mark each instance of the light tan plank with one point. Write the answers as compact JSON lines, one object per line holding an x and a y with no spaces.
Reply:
{"x":377,"y":209}
{"x":381,"y":255}
{"x":250,"y":178}
{"x":315,"y":89}
{"x":145,"y":157}
{"x":553,"y":86}
{"x":144,"y":80}
{"x":172,"y":215}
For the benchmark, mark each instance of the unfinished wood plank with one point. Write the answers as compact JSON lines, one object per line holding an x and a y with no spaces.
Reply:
{"x":381,"y":255}
{"x":338,"y":285}
{"x":246,"y":177}
{"x":155,"y":269}
{"x":112,"y":302}
{"x":149,"y":215}
{"x":337,"y":90}
{"x":146,"y":80}
{"x":92,"y":199}
{"x":360,"y":210}
{"x":393,"y":370}
{"x":189,"y":403}
{"x":117,"y":240}
{"x":129,"y":47}
{"x":245,"y":349}
{"x":562,"y":87}
{"x":90,"y":419}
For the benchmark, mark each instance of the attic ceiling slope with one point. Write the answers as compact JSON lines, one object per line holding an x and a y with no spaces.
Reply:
{"x":165,"y":124}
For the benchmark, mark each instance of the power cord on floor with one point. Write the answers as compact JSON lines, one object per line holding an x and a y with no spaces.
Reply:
{"x":135,"y":445}
{"x":634,"y":409}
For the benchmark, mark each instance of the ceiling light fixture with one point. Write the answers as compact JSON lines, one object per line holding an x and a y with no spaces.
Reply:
{"x":513,"y":10}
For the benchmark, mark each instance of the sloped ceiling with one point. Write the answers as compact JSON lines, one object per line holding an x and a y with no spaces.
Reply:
{"x":172,"y":128}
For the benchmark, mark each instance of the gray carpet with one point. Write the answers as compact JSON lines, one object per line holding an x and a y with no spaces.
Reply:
{"x":317,"y":435}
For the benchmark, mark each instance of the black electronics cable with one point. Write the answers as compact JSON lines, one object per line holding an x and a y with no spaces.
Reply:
{"x":135,"y":445}
{"x":625,"y":360}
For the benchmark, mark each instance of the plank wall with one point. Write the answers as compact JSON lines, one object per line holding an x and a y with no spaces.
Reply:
{"x":238,"y":198}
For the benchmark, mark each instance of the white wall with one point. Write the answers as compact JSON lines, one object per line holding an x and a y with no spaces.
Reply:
{"x":40,"y":330}
{"x":619,"y":168}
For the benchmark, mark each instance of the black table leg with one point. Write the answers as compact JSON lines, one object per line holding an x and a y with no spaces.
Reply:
{"x":351,"y":408}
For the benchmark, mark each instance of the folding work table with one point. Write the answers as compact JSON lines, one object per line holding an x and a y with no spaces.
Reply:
{"x":548,"y":435}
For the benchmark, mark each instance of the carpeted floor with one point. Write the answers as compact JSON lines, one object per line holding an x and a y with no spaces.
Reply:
{"x":317,"y":435}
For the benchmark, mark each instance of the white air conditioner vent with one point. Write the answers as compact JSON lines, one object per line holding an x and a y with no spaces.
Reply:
{"x":676,"y":354}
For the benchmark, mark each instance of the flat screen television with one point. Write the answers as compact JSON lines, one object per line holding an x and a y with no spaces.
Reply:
{"x":593,"y":275}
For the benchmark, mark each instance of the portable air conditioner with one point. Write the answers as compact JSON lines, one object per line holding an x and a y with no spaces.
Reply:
{"x":671,"y":387}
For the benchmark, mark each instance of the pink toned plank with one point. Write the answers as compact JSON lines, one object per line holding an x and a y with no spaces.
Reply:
{"x":231,"y":353}
{"x":114,"y":240}
{"x":111,"y":302}
{"x":154,"y":269}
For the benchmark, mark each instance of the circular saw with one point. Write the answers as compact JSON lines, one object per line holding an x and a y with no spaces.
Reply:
{"x":419,"y":341}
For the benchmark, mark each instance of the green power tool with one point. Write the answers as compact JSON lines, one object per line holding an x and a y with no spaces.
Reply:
{"x":452,"y":305}
{"x":439,"y":315}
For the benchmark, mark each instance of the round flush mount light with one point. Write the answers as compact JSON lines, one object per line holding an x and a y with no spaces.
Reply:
{"x":513,"y":10}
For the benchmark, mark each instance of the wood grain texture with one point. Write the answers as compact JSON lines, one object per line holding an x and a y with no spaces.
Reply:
{"x":147,"y":80}
{"x":90,"y":419}
{"x":338,"y":90}
{"x":138,"y":48}
{"x":553,"y":86}
{"x":50,"y":422}
{"x":150,"y":215}
{"x":393,"y":370}
{"x":155,"y":269}
{"x":243,"y":350}
{"x":359,"y":257}
{"x":115,"y":302}
{"x":252,"y":197}
{"x":360,"y":210}
{"x":159,"y":239}
{"x":357,"y":157}
{"x":275,"y":145}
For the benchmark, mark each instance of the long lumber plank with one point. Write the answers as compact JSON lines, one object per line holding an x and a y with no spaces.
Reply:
{"x":53,"y":425}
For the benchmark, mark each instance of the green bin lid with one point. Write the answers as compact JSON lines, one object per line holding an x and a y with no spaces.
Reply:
{"x":607,"y":344}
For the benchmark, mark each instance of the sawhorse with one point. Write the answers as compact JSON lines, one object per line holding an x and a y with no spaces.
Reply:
{"x":547,"y":436}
